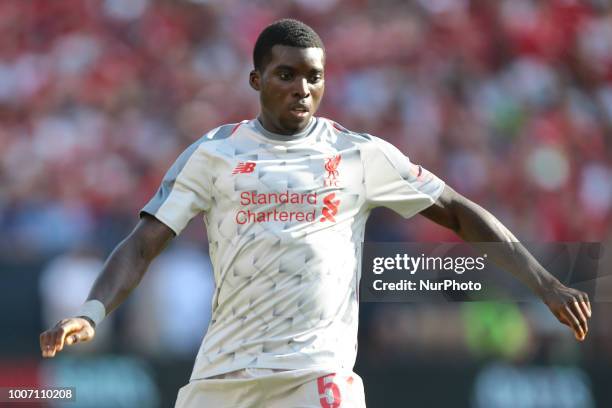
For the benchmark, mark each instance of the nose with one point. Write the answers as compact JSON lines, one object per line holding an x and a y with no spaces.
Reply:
{"x":301,"y":88}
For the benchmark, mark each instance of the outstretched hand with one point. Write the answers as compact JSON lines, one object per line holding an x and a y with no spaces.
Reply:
{"x":66,"y":332}
{"x":571,"y":307}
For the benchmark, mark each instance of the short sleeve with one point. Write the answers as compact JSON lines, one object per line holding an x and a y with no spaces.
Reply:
{"x":394,"y":182}
{"x":184,"y":190}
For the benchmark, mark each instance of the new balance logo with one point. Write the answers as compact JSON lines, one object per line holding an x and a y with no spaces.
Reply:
{"x":330,"y":208}
{"x":244,"y":167}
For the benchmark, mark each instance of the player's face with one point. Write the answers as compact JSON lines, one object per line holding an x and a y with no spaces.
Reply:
{"x":290,"y":88}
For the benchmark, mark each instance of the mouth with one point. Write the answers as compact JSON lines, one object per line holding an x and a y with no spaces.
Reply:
{"x":300,"y":111}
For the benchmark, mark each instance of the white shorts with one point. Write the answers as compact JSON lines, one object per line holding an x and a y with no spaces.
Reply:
{"x":263,"y":388}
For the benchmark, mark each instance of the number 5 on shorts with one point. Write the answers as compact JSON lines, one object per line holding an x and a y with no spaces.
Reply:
{"x":329,"y":393}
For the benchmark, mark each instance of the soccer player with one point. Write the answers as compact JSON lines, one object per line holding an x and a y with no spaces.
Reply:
{"x":285,"y":198}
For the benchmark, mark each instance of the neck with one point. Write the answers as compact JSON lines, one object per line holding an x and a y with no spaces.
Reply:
{"x":275,"y":135}
{"x":268,"y":125}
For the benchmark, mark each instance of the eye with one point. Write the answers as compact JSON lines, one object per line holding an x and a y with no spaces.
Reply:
{"x":316,"y":78}
{"x":285,"y":76}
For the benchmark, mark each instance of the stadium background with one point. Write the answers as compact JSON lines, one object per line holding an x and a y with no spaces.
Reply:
{"x":509,"y":101}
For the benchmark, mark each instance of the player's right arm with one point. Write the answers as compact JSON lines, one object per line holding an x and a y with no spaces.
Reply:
{"x":184,"y":192}
{"x":121,"y":273}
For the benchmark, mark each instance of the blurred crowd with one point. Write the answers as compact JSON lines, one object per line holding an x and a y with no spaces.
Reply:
{"x":509,"y":101}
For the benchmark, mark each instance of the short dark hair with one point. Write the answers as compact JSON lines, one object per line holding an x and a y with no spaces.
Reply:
{"x":287,"y":31}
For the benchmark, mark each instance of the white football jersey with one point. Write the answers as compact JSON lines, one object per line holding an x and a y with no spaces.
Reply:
{"x":285,"y":217}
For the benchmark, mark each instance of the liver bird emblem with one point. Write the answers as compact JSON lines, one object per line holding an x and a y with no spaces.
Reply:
{"x":331,"y":165}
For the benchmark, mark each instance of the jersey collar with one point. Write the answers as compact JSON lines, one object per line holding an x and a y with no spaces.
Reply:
{"x":285,"y":138}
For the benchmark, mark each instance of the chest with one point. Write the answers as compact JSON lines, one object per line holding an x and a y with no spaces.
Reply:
{"x":281,"y":191}
{"x":292,"y":174}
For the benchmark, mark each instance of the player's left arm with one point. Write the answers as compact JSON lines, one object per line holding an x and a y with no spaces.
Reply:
{"x":475,"y":224}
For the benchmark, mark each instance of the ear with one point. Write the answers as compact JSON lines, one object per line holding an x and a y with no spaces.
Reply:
{"x":254,"y":79}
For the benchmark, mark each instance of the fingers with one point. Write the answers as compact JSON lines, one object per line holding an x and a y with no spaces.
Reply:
{"x":79,"y":337}
{"x":65,"y":332}
{"x":582,"y":318}
{"x":585,"y":305}
{"x":48,"y":342}
{"x":574,"y":322}
{"x":71,"y":339}
{"x":571,"y":307}
{"x":60,"y":335}
{"x":583,"y":308}
{"x":575,"y":316}
{"x":46,"y":346}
